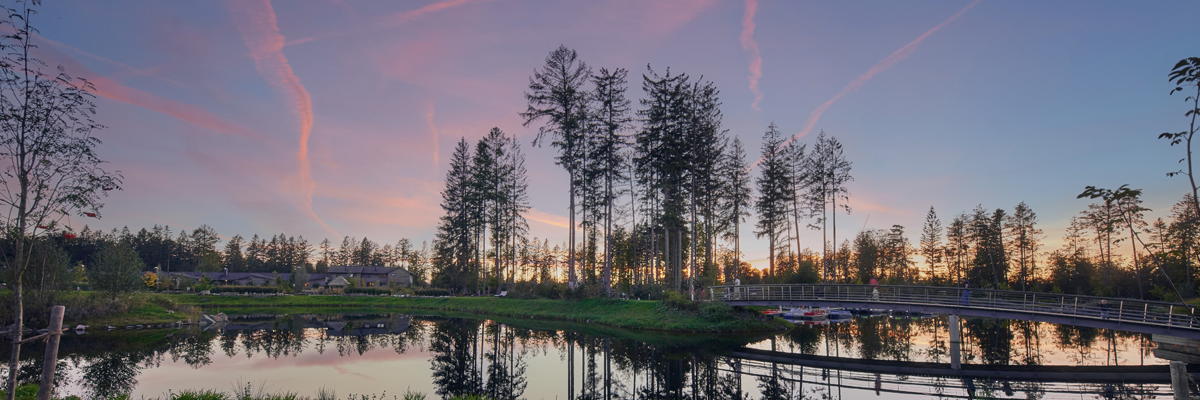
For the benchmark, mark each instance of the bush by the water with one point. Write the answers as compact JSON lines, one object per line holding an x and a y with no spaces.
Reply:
{"x":431,"y":292}
{"x":244,"y":289}
{"x":677,"y":301}
{"x":370,"y":291}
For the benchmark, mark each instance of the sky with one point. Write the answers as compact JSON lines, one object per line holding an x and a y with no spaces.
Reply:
{"x":332,"y":118}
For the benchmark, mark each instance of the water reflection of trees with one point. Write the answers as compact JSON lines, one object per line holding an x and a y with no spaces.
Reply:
{"x":473,"y":357}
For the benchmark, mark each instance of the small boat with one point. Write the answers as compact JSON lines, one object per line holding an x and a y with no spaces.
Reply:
{"x":839,"y":314}
{"x":806,"y":314}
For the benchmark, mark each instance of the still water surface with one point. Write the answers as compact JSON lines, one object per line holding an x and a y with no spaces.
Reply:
{"x":392,"y":353}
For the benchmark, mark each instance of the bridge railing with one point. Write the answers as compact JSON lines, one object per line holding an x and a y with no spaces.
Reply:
{"x":1127,"y":310}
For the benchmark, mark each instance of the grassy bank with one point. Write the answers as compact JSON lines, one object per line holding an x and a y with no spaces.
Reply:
{"x":630,"y":314}
{"x":97,"y":309}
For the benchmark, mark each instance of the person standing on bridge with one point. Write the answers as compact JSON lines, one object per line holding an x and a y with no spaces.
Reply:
{"x":966,"y":293}
{"x":874,"y":289}
{"x":1104,"y":309}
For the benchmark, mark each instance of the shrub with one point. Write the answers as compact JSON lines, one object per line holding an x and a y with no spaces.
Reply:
{"x":715,"y":310}
{"x":677,"y":301}
{"x":370,"y":291}
{"x":431,"y":292}
{"x":244,"y":289}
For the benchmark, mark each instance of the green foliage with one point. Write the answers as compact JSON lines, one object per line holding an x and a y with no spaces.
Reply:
{"x":431,"y":292}
{"x":28,"y":391}
{"x":368,"y":290}
{"x":206,"y":394}
{"x":715,"y":311}
{"x":677,"y":301}
{"x":1164,"y":293}
{"x":204,"y":284}
{"x":116,"y":269}
{"x":244,"y":289}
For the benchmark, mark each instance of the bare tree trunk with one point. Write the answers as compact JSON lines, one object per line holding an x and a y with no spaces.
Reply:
{"x":824,"y":240}
{"x":18,"y":326}
{"x":669,"y":268}
{"x":1137,"y":267}
{"x":571,"y":280}
{"x":771,"y":240}
{"x":737,"y":240}
{"x":51,"y":360}
{"x":692,"y":254}
{"x":834,"y":243}
{"x":608,"y":238}
{"x":634,"y":233}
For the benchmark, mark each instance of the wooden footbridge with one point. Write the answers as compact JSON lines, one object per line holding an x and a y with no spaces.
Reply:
{"x":1154,"y":317}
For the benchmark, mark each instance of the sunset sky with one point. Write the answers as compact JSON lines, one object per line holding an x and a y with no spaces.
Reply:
{"x":331,"y":118}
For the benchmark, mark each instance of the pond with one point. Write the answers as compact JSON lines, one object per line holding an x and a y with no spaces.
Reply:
{"x":390,"y":353}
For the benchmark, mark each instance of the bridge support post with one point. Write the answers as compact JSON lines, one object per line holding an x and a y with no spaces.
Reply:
{"x":1179,"y":380}
{"x":955,"y":343}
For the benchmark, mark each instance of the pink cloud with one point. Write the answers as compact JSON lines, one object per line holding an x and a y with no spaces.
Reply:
{"x":859,"y":203}
{"x":256,"y":22}
{"x":888,"y":62}
{"x":751,"y":46}
{"x":548,"y":219}
{"x":415,"y":204}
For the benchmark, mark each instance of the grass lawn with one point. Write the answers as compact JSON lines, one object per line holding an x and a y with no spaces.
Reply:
{"x":648,"y":315}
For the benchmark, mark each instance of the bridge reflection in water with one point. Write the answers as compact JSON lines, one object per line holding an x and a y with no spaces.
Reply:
{"x":1174,"y":326}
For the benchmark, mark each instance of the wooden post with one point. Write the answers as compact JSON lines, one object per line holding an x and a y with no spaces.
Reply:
{"x":1179,"y":380}
{"x":955,"y":343}
{"x":47,"y":384}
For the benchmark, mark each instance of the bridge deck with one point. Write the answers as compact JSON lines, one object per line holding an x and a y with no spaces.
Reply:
{"x":1099,"y":312}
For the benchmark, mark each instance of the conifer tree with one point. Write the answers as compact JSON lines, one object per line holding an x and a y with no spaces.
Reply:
{"x":931,"y":243}
{"x":454,"y":245}
{"x":611,"y":118}
{"x":736,"y":196}
{"x":773,"y":193}
{"x":1025,"y":238}
{"x":557,"y":94}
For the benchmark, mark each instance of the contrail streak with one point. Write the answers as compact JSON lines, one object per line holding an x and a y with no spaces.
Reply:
{"x":390,"y":20}
{"x":751,"y":46}
{"x":260,"y":30}
{"x":890,"y":61}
